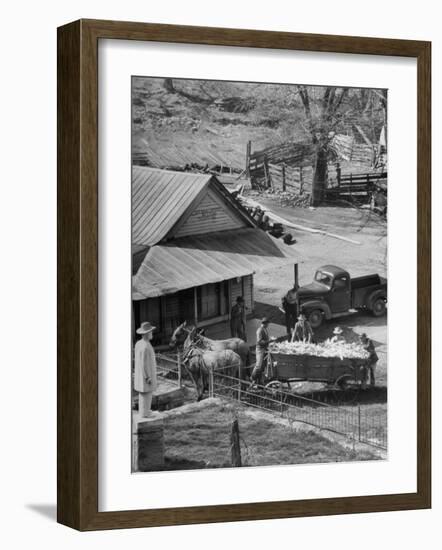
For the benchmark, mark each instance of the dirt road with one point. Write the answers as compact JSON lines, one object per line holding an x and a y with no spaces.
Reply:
{"x":315,"y":250}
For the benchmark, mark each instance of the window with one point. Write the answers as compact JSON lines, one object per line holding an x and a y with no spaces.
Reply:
{"x":340,"y":283}
{"x":323,"y":278}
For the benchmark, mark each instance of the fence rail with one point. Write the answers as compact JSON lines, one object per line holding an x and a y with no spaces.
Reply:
{"x":169,"y":367}
{"x":354,"y":422}
{"x":357,"y":186}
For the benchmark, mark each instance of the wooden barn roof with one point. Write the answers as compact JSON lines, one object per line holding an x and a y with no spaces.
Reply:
{"x":193,"y":261}
{"x":161,"y":197}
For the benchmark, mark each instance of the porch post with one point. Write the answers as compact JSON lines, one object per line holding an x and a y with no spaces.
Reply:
{"x":195,"y":305}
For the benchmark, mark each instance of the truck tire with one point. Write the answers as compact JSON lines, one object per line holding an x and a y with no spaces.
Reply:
{"x":314,"y":317}
{"x":379,"y":307}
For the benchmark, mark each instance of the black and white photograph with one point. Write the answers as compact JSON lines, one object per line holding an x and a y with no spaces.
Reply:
{"x":228,"y":221}
{"x":259,"y":274}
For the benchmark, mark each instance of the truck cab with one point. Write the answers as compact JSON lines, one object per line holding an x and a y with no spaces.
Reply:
{"x":333,"y":293}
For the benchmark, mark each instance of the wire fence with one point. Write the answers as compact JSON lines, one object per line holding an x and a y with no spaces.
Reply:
{"x":360,"y":424}
{"x":169,"y":367}
{"x":365,"y":424}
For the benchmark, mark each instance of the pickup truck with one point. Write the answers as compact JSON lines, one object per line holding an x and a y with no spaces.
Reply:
{"x":333,"y":293}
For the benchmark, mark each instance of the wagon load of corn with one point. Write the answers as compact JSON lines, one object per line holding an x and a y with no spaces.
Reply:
{"x":343,"y":350}
{"x":327,"y":361}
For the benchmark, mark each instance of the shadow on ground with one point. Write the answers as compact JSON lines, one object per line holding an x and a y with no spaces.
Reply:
{"x":48,"y":511}
{"x":370,"y":396}
{"x":274,"y":314}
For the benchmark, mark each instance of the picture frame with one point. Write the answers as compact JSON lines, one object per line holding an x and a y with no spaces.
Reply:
{"x":77,"y":224}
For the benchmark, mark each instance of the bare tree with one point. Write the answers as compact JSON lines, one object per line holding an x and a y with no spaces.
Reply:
{"x":322,"y":118}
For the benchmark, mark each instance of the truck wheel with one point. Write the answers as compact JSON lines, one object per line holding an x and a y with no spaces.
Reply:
{"x":379,"y":307}
{"x":314,"y":317}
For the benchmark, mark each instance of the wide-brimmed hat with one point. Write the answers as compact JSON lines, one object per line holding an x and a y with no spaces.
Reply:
{"x":337,"y":330}
{"x":145,"y":328}
{"x":301,"y":317}
{"x":265,"y":321}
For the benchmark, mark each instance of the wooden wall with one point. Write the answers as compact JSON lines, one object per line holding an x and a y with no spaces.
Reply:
{"x":167,"y":312}
{"x":242,"y":288}
{"x":210,"y":215}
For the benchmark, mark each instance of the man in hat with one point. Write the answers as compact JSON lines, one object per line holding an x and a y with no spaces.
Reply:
{"x":337,"y":335}
{"x":290,"y":307}
{"x":303,"y":330}
{"x":145,"y":378}
{"x":238,"y":319}
{"x":262,"y":343}
{"x":368,"y":345}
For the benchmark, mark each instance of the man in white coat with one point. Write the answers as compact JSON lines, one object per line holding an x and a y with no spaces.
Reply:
{"x":145,"y":380}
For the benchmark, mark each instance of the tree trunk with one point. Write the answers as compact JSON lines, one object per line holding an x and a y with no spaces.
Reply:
{"x":319,"y":177}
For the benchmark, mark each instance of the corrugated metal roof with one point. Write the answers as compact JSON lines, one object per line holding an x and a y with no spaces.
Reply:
{"x":159,"y":199}
{"x":194,"y":261}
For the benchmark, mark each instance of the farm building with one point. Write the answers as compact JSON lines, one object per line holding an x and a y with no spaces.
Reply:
{"x":194,"y":250}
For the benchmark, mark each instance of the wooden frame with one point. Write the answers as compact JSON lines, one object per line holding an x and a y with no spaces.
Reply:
{"x":77,"y":274}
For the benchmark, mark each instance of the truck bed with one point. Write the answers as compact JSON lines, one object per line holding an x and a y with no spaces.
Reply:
{"x":365,"y":281}
{"x":362,"y":287}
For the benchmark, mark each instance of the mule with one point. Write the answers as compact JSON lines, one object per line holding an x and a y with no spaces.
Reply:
{"x":200,"y":364}
{"x":234,"y":344}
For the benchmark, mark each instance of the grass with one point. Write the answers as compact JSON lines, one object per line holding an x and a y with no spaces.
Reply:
{"x":201,"y":439}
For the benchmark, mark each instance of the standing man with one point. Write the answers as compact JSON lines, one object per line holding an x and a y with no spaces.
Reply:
{"x":238,"y":319}
{"x":290,"y":307}
{"x":337,"y":335}
{"x":145,"y":379}
{"x":303,"y":330}
{"x":368,"y":345}
{"x":262,"y":343}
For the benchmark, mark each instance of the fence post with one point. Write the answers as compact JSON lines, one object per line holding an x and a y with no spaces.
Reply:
{"x":248,"y":151}
{"x":210,"y":382}
{"x":283,"y":177}
{"x":301,"y":181}
{"x":178,"y":358}
{"x":359,"y":422}
{"x":266,"y":172}
{"x":235,"y":444}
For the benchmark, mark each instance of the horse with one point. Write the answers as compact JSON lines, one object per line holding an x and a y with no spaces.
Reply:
{"x":237,"y":345}
{"x":179,"y":336}
{"x":234,"y":344}
{"x":199,"y":364}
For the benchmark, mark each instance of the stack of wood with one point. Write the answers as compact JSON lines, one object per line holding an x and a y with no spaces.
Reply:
{"x":236,"y":104}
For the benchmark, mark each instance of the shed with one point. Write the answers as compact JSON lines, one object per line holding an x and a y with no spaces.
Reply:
{"x":194,"y":250}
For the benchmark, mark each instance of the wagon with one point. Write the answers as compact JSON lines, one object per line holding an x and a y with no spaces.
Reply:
{"x":345,"y":375}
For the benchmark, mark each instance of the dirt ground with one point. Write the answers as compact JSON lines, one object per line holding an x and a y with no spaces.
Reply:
{"x":315,"y":250}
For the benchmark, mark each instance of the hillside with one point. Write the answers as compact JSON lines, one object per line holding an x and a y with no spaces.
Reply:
{"x":179,"y":122}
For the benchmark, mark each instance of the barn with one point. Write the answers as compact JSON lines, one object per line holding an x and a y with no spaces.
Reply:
{"x":194,"y":250}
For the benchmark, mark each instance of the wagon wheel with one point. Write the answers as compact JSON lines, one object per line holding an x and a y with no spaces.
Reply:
{"x":275,"y":388}
{"x":346,"y":389}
